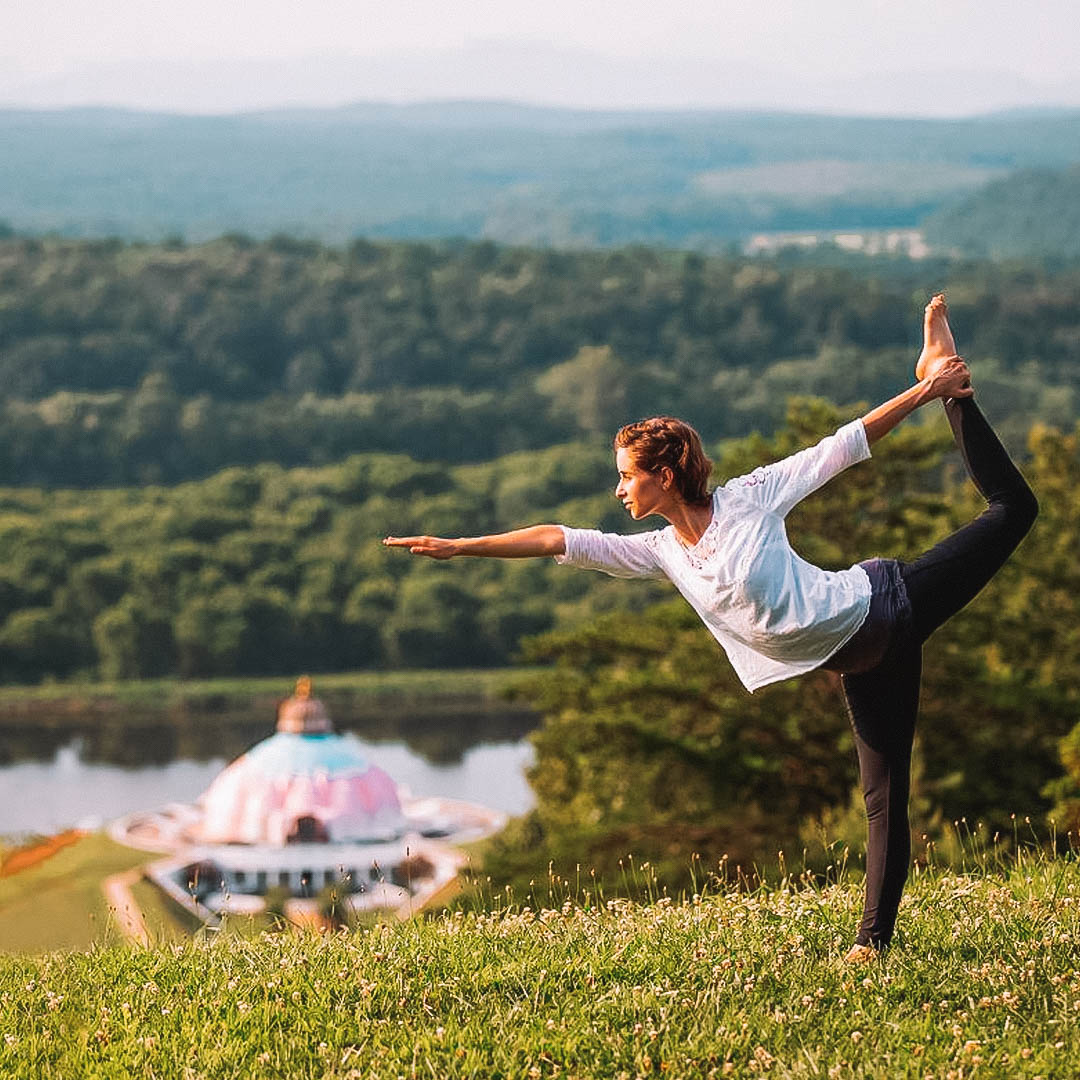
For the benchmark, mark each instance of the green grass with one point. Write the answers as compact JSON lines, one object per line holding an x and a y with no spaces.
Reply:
{"x":170,"y":692}
{"x":984,"y":981}
{"x":165,"y":920}
{"x":58,"y":904}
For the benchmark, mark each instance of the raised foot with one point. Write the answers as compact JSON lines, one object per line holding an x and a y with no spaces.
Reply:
{"x":938,"y":343}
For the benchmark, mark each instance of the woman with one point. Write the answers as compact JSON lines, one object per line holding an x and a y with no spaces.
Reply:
{"x":777,"y":615}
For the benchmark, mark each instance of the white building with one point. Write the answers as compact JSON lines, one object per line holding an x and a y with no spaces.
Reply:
{"x":301,"y":812}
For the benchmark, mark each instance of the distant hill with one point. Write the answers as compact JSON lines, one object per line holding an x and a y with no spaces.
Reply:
{"x":516,"y":174}
{"x":1034,"y":212}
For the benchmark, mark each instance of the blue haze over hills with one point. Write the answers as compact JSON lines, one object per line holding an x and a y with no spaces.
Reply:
{"x":510,"y":173}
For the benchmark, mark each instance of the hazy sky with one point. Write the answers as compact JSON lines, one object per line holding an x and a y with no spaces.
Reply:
{"x":916,"y":56}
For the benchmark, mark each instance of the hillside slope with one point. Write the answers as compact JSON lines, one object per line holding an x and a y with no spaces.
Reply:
{"x":983,"y":982}
{"x":1034,"y":213}
{"x":513,"y":174}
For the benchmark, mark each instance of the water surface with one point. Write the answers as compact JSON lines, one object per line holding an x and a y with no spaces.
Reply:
{"x":74,"y":773}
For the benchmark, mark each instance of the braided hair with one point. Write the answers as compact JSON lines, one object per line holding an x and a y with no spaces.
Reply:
{"x":663,"y":440}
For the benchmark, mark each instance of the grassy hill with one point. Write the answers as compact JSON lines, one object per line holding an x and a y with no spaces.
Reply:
{"x":58,"y":903}
{"x":984,"y":982}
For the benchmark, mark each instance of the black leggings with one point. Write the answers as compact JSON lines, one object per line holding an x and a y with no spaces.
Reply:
{"x":884,"y":701}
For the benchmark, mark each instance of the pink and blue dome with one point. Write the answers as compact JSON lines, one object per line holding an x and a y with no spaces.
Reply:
{"x":303,"y":784}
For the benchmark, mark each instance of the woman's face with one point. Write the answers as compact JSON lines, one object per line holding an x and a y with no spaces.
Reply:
{"x":641,"y":492}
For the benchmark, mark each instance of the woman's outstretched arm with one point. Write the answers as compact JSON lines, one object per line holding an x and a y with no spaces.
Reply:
{"x":537,"y":540}
{"x":951,"y":379}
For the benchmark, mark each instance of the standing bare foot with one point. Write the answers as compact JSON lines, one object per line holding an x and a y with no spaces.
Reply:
{"x":938,"y":344}
{"x":862,"y":954}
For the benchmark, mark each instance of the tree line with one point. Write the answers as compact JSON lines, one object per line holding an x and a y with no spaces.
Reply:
{"x":263,"y":570}
{"x":133,"y":364}
{"x":282,"y":406}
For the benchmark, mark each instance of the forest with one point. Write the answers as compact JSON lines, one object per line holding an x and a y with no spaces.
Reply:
{"x":135,"y":364}
{"x":202,"y":446}
{"x":263,"y":570}
{"x":1028,"y":213}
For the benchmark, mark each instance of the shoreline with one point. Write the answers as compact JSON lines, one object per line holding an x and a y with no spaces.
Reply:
{"x":438,"y":691}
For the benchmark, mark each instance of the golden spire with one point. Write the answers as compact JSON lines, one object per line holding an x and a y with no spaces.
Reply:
{"x":303,"y":714}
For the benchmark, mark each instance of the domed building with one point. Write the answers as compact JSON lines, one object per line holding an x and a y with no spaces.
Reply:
{"x":302,"y":811}
{"x":304,"y":784}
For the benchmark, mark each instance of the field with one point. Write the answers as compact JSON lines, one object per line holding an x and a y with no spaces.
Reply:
{"x":806,"y":181}
{"x":984,"y":981}
{"x":58,"y":903}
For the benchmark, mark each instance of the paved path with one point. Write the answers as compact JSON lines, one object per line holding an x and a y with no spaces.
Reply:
{"x":121,"y":904}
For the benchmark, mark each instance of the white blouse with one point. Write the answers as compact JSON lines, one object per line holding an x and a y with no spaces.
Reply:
{"x":775,"y":614}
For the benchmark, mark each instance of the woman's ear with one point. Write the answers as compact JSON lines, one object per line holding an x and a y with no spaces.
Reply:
{"x":667,"y":477}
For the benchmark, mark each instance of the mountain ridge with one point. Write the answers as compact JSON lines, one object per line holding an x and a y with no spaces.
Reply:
{"x":501,"y":171}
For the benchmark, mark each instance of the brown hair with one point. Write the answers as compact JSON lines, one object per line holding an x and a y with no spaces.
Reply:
{"x":663,"y":440}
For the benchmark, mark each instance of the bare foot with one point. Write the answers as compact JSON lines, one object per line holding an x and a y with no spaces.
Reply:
{"x":938,"y":344}
{"x":862,"y":954}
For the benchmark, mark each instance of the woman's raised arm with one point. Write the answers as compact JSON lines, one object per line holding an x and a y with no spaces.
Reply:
{"x":536,"y":540}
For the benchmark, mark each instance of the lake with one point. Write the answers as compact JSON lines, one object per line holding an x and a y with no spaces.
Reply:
{"x":84,"y":769}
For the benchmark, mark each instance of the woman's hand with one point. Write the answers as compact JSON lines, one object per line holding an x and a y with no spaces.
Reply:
{"x":950,"y":379}
{"x":435,"y":547}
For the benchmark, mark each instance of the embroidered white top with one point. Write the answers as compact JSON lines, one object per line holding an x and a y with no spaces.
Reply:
{"x":775,"y":614}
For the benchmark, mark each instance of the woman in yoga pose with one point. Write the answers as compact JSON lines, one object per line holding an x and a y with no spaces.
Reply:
{"x":776,"y":615}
